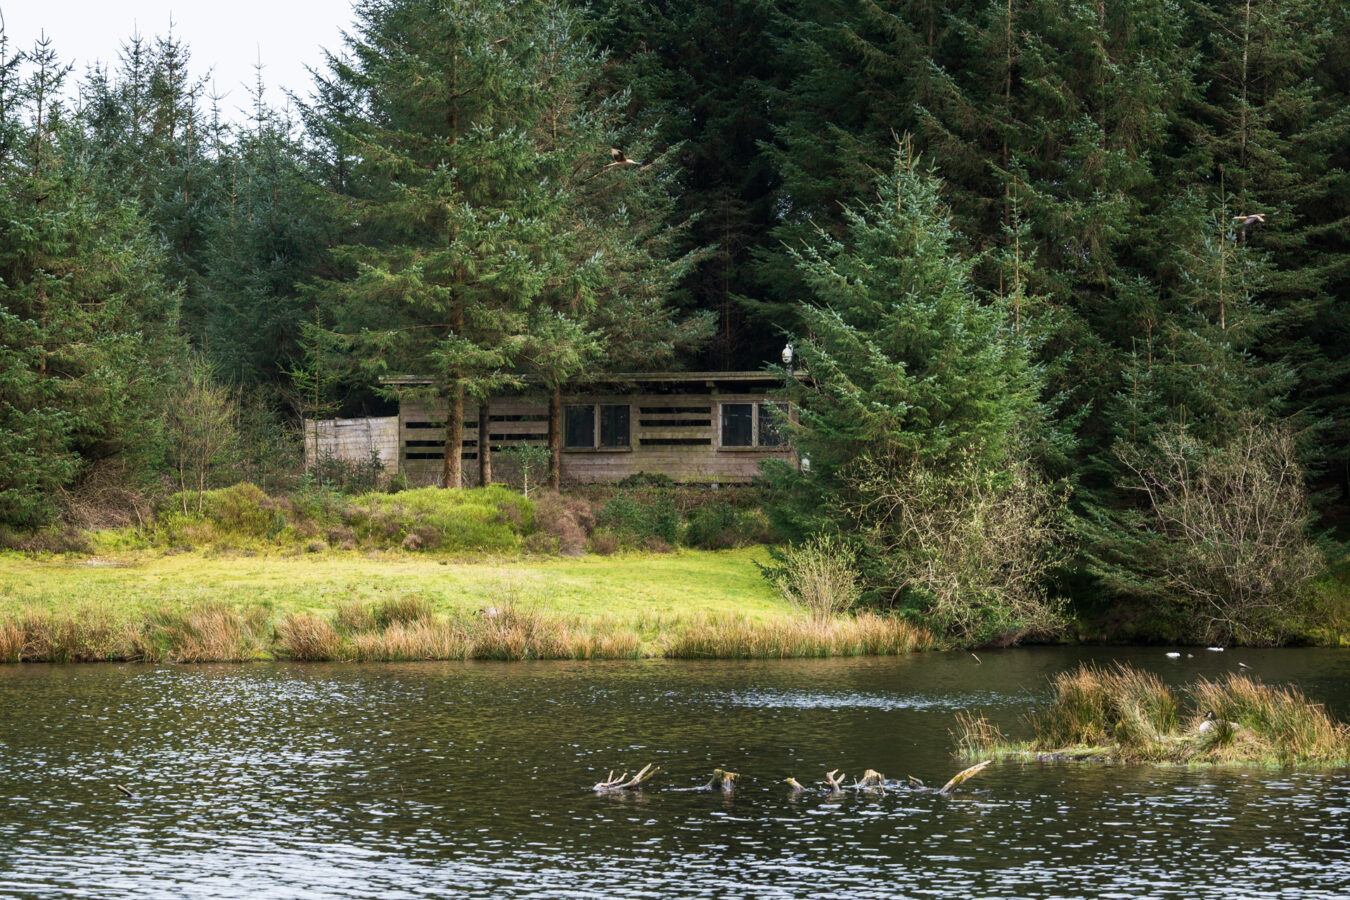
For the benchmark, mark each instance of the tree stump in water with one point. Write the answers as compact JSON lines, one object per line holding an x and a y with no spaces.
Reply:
{"x":722,"y":781}
{"x":624,"y":783}
{"x":961,"y":776}
{"x":872,"y":779}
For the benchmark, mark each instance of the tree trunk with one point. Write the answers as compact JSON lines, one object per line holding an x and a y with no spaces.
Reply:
{"x":452,"y":474}
{"x":484,"y":447}
{"x":555,"y":438}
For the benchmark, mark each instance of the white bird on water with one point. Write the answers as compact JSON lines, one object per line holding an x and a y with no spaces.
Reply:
{"x":1174,"y":656}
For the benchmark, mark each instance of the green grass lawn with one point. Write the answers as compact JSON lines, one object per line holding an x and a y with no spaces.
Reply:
{"x":391,"y":605}
{"x":624,"y":586}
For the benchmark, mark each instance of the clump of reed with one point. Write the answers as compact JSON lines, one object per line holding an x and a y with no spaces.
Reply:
{"x":866,"y":634}
{"x":422,"y":639}
{"x":309,"y":638}
{"x":206,"y":633}
{"x":1131,"y":716}
{"x":1267,"y":721}
{"x":85,"y":633}
{"x":11,"y":642}
{"x":976,"y":736}
{"x":1094,"y":706}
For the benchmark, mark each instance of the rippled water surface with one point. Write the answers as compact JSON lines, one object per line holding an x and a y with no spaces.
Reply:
{"x":472,"y":780}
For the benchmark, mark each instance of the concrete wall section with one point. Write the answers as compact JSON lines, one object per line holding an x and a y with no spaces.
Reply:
{"x":353,"y":440}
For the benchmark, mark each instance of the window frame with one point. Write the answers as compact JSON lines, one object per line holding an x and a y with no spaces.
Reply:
{"x":757,"y":429}
{"x":597,"y":428}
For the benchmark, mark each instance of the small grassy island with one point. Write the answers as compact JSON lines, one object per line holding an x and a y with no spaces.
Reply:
{"x":1127,"y":716}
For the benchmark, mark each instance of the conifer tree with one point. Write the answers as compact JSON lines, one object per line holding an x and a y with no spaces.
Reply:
{"x":87,"y":322}
{"x":912,"y":416}
{"x":447,"y":196}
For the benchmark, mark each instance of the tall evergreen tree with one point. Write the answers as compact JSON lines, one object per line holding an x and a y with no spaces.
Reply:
{"x":919,"y":399}
{"x":449,"y":195}
{"x":700,"y":73}
{"x":87,"y":321}
{"x":143,"y":123}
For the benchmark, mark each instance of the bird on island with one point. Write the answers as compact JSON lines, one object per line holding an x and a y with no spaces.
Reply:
{"x":620,"y":160}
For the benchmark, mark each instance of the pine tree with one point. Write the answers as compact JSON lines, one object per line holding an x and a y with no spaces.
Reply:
{"x":268,"y":236}
{"x":613,"y":254}
{"x":87,"y":322}
{"x":143,"y":125}
{"x":699,"y":72}
{"x":449,"y":199}
{"x":912,"y":417}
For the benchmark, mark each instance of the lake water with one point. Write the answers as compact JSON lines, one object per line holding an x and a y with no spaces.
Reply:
{"x":473,"y":780}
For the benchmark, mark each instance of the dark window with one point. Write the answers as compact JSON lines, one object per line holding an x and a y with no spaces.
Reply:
{"x":580,"y":430}
{"x":771,"y":417}
{"x":614,"y":426}
{"x":738,"y":426}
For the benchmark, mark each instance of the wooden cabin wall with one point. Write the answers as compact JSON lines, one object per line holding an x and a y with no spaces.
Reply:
{"x":675,"y":434}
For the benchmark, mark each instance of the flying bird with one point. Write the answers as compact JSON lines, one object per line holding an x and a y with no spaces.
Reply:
{"x":620,"y":160}
{"x":1253,"y":219}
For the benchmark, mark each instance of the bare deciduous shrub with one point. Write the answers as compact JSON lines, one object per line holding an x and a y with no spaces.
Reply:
{"x":200,"y":426}
{"x":569,"y":519}
{"x":820,"y":575}
{"x":975,"y":547}
{"x":106,"y":496}
{"x":604,"y":542}
{"x":1224,"y":531}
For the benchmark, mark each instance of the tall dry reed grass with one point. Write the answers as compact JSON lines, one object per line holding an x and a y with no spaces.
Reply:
{"x":1279,"y":722}
{"x":1131,"y":716}
{"x":409,"y":628}
{"x":309,"y":638}
{"x":208,"y":633}
{"x":866,"y":634}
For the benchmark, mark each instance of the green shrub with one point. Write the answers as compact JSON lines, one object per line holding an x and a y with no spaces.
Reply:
{"x":490,"y":518}
{"x":642,"y":523}
{"x":713,"y":527}
{"x":241,"y":509}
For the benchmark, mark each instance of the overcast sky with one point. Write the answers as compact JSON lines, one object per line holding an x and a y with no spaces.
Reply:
{"x":225,"y":36}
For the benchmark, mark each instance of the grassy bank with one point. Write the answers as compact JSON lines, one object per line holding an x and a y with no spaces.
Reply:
{"x":1124,"y":715}
{"x":227,"y":605}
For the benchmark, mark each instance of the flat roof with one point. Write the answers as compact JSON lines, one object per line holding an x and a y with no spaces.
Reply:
{"x":634,"y":377}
